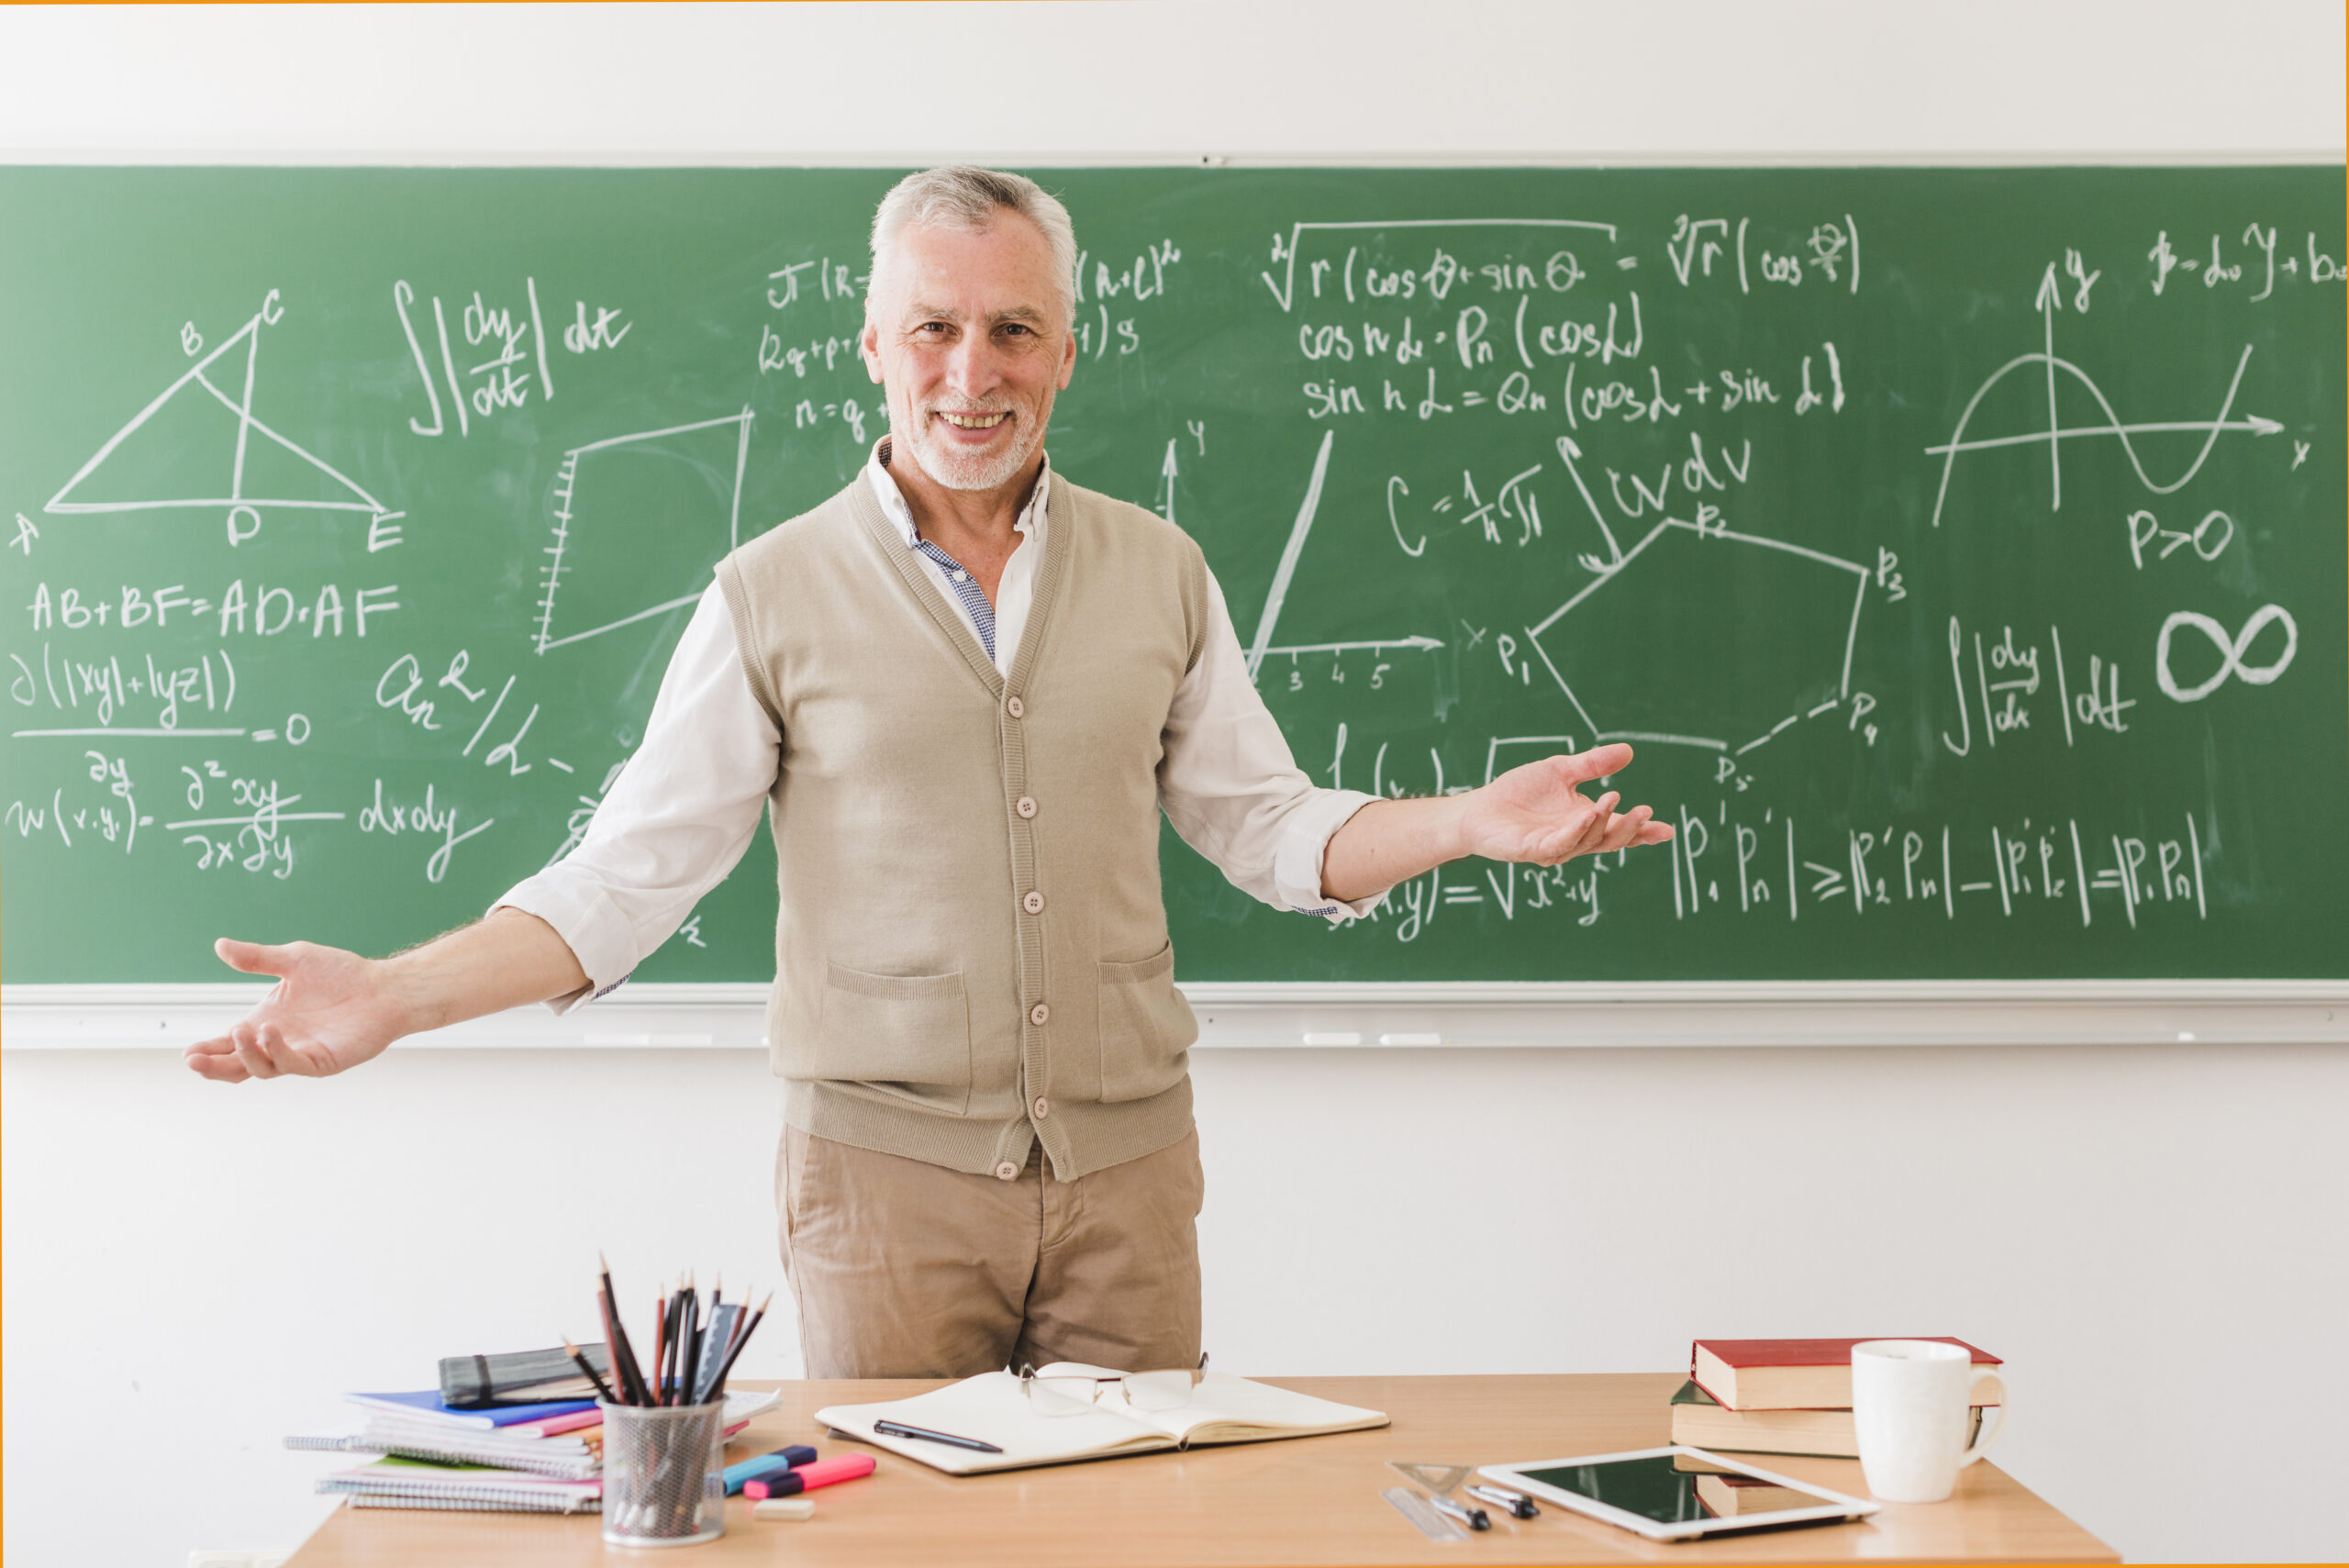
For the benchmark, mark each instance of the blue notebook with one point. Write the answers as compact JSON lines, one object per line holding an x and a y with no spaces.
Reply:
{"x":428,"y":1404}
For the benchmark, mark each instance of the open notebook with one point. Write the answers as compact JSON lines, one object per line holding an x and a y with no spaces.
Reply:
{"x":991,"y":1408}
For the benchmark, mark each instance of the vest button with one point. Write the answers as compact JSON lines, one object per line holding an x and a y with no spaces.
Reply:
{"x":1038,"y":1013}
{"x":1007,"y":1171}
{"x":1026,"y":806}
{"x":1033,"y":903}
{"x":1015,"y":707}
{"x":1042,"y":1107}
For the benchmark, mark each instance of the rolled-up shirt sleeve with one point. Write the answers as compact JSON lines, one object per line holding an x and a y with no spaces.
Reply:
{"x":673,"y":823}
{"x":1231,"y":787}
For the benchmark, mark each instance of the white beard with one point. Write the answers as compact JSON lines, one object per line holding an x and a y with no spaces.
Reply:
{"x":970,"y":471}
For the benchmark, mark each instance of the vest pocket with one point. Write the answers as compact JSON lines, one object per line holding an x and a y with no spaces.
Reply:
{"x":904,"y":1036}
{"x":1146,"y":1027}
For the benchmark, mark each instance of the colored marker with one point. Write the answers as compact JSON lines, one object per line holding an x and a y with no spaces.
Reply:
{"x":775,"y":1464}
{"x":807,"y":1478}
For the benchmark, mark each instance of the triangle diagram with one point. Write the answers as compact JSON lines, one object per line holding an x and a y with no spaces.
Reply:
{"x":198,"y":445}
{"x":179,"y":448}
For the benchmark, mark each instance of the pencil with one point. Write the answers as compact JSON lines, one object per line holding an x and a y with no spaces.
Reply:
{"x":661,"y":1349}
{"x":624,"y":1366}
{"x":671,"y":1314}
{"x":688,"y":1381}
{"x":684,"y":1340}
{"x":611,"y":1338}
{"x":601,"y":1387}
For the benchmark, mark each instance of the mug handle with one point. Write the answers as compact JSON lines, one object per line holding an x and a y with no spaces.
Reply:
{"x":1998,"y":1428}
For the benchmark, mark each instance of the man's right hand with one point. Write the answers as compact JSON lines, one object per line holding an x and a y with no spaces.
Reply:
{"x":330,"y":1010}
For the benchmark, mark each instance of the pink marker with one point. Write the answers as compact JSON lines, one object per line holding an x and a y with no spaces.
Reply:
{"x":553,"y":1424}
{"x":807,"y":1477}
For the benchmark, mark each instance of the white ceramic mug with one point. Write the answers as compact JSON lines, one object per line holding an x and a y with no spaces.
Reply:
{"x":1911,"y":1400}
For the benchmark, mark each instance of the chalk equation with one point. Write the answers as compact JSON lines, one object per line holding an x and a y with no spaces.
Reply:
{"x":1768,"y":869}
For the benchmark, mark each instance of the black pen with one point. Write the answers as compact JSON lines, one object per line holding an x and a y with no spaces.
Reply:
{"x":899,"y":1429}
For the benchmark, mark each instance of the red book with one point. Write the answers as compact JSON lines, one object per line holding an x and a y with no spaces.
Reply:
{"x":1790,"y":1374}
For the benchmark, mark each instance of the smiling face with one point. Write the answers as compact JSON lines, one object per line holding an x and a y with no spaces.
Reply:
{"x":968,"y":336}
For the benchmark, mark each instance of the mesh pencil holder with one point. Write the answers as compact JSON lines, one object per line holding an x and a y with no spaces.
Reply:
{"x":664,"y":1481}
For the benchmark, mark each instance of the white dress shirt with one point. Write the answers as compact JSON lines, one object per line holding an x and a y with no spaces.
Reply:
{"x":686,"y":804}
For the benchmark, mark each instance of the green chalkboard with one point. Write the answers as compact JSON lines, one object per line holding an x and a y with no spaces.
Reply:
{"x":1964,"y":549}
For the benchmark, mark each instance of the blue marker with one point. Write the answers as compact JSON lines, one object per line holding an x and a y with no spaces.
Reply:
{"x":740,"y":1476}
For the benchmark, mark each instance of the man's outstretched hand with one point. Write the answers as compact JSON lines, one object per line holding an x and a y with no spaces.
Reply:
{"x":1538,"y":813}
{"x":330,"y":1010}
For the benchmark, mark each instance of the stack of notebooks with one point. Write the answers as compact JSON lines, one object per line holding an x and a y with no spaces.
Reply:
{"x":395,"y":1482}
{"x":1777,"y":1396}
{"x":544,"y":1456}
{"x":488,"y":1452}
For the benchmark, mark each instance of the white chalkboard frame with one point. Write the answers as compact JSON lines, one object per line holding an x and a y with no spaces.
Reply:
{"x":1323,"y":1015}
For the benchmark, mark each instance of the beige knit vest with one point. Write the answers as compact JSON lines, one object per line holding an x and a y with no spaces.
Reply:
{"x":972,"y":948}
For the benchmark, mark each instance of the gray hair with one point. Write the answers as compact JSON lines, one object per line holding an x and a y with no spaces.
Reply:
{"x":960,"y":196}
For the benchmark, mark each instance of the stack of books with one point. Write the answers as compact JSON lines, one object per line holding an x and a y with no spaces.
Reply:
{"x":543,"y":1456}
{"x":1778,"y":1396}
{"x":394,"y":1482}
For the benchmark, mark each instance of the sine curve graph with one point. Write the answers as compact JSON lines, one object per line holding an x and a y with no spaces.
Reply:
{"x":2057,"y":432}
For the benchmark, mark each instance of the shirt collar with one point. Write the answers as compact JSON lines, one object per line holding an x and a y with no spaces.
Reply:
{"x":1030,"y":522}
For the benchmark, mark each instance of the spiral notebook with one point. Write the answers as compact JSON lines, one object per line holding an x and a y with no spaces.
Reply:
{"x":423,"y":1484}
{"x":461,"y":1504}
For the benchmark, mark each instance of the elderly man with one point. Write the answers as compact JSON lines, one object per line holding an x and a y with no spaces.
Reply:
{"x":964,"y":687}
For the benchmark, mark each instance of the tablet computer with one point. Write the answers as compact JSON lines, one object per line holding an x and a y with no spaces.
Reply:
{"x":1679,"y":1493}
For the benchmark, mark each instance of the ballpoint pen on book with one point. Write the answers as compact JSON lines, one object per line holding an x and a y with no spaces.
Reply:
{"x":899,"y":1429}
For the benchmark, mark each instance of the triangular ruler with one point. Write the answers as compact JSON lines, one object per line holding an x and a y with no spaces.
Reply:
{"x":1439,"y":1479}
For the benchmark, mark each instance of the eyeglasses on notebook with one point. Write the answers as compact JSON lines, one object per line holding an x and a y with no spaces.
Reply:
{"x":1064,"y":1394}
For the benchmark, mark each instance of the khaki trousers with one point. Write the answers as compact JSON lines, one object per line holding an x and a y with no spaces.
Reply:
{"x":904,"y":1269}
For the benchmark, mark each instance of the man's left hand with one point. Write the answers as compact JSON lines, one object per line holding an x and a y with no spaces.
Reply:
{"x":1538,"y":812}
{"x":1535,"y":813}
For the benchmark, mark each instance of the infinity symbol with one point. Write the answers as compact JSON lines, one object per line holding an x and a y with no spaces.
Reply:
{"x":2231,"y":649}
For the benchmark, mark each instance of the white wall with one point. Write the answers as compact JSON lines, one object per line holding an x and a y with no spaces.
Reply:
{"x":2154,"y":1236}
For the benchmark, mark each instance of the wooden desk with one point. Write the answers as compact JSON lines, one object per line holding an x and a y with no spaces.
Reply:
{"x":1304,"y":1501}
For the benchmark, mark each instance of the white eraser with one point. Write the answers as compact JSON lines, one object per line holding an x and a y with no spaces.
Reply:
{"x":783,"y":1508}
